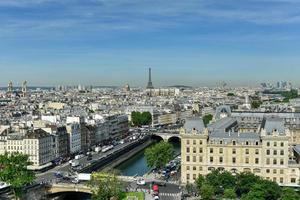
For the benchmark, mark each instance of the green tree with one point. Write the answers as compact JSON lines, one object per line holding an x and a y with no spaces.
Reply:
{"x":207,"y":192}
{"x":272,"y":189}
{"x":256,"y":104}
{"x":106,"y":185}
{"x":229,"y":193}
{"x":244,"y":182}
{"x":139,"y":119}
{"x":220,"y":180}
{"x":230,"y":94}
{"x":159,"y":155}
{"x":199,"y":182}
{"x":289,"y":194}
{"x":13,"y":170}
{"x":207,"y":118}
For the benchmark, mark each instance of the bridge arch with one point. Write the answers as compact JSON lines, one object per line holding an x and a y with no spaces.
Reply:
{"x":175,"y":138}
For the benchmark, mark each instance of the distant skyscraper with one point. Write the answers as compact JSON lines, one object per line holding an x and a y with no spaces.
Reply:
{"x":10,"y":87}
{"x":150,"y":86}
{"x":24,"y":88}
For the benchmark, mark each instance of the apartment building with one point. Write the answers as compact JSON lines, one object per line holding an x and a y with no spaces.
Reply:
{"x":265,"y":153}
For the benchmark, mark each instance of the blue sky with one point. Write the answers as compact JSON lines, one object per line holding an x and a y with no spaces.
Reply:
{"x":112,"y":42}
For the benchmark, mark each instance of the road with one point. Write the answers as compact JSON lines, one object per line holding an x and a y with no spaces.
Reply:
{"x":48,"y":176}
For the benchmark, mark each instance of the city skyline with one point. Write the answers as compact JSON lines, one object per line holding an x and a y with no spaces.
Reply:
{"x":195,"y":43}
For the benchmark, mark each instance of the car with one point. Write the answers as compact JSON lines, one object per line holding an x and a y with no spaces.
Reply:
{"x":141,"y":182}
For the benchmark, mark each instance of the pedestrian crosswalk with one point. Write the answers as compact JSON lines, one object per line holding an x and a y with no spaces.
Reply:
{"x":170,"y":196}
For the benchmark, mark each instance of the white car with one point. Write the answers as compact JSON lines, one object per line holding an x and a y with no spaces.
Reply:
{"x":141,"y":182}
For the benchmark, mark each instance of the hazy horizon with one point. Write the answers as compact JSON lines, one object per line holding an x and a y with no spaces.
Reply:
{"x":113,"y":42}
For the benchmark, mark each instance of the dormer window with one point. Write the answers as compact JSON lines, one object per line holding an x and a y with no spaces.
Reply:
{"x":221,"y":142}
{"x":233,"y":142}
{"x":247,"y":143}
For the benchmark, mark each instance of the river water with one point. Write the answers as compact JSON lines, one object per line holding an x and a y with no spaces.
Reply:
{"x":137,"y":165}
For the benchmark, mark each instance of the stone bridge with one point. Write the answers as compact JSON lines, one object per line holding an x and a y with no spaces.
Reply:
{"x":56,"y":188}
{"x":166,"y":136}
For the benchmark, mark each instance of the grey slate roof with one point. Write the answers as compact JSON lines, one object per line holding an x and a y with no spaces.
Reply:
{"x":239,"y":137}
{"x":194,"y":123}
{"x":222,"y":124}
{"x":274,"y":124}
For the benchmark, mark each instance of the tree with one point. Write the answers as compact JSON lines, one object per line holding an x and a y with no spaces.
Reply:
{"x":229,"y":193}
{"x":272,"y":189}
{"x":220,"y":180}
{"x":230,"y":94}
{"x":159,"y":155}
{"x":207,"y":119}
{"x":289,"y":194}
{"x":244,"y":182}
{"x":199,"y":182}
{"x":255,"y":104}
{"x":106,"y":185}
{"x":13,"y":170}
{"x":207,"y":192}
{"x":139,"y":119}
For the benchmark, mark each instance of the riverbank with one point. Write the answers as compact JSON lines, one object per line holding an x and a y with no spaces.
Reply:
{"x":127,"y":155}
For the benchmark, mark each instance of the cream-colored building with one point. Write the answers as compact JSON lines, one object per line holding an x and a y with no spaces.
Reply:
{"x":37,"y":144}
{"x":221,"y":146}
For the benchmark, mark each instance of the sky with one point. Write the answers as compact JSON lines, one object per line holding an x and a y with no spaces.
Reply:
{"x":113,"y":42}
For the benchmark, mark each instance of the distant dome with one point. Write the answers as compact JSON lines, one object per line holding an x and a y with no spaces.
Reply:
{"x":127,"y":87}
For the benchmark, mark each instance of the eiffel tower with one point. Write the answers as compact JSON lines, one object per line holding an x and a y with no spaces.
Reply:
{"x":150,"y":86}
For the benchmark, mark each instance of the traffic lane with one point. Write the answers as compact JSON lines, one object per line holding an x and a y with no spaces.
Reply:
{"x":169,"y":188}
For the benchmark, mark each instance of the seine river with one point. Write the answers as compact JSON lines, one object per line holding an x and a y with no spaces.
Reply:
{"x":136,"y":165}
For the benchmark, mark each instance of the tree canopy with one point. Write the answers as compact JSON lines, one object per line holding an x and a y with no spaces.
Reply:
{"x":13,"y":170}
{"x":245,"y":186}
{"x":159,"y":154}
{"x":140,"y":119}
{"x":207,"y":118}
{"x":106,"y":185}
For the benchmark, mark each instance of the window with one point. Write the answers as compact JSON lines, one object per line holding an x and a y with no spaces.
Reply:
{"x":275,"y":152}
{"x":274,"y":179}
{"x":281,"y":180}
{"x":194,"y":168}
{"x":200,"y":150}
{"x":274,"y":171}
{"x":194,"y":176}
{"x":282,"y":144}
{"x":247,"y":143}
{"x":187,"y":141}
{"x":256,"y":143}
{"x":211,"y":159}
{"x":275,"y":144}
{"x":233,"y":142}
{"x":256,"y":160}
{"x":268,"y":152}
{"x":194,"y":159}
{"x":188,"y":176}
{"x":211,"y":150}
{"x":187,"y":167}
{"x":281,"y":152}
{"x":267,"y":171}
{"x":268,"y":161}
{"x":194,"y":149}
{"x":221,"y":159}
{"x":247,"y":151}
{"x":220,"y":150}
{"x":188,"y":149}
{"x":281,"y":162}
{"x":194,"y":142}
{"x":268,"y":144}
{"x":200,"y":142}
{"x":233,"y":160}
{"x":233,"y":151}
{"x":247,"y":160}
{"x":281,"y":171}
{"x":256,"y":151}
{"x":293,"y":180}
{"x":188,"y":159}
{"x":221,"y":142}
{"x":274,"y":162}
{"x":200,"y":159}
